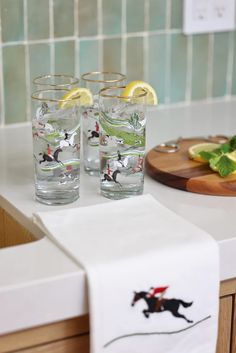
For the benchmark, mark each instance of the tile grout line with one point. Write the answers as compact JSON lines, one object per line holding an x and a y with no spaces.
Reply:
{"x":92,"y":38}
{"x":76,"y":35}
{"x":100,"y":31}
{"x":51,"y":37}
{"x":189,"y":68}
{"x":2,"y":106}
{"x":123,"y":38}
{"x":210,"y":65}
{"x":146,"y":41}
{"x":230,"y":64}
{"x":168,"y":52}
{"x":27,"y":63}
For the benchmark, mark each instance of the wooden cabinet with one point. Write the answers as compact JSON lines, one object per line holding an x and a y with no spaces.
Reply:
{"x":12,"y":232}
{"x":72,"y":336}
{"x":227,"y":319}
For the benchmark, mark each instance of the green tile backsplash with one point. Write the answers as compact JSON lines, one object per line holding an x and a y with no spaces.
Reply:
{"x":111,"y":16}
{"x":14,"y":83}
{"x":220,"y":64}
{"x":157,"y":64}
{"x":135,"y":15}
{"x":141,"y":38}
{"x":178,"y":68}
{"x":63,"y":18}
{"x":200,"y":49}
{"x":38,"y":19}
{"x":134,"y":62}
{"x":112,"y":54}
{"x":12,"y":20}
{"x":157,"y":14}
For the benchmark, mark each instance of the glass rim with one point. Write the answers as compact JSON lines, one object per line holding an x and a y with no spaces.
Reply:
{"x":106,"y":89}
{"x":91,"y":73}
{"x":35,"y":94}
{"x":38,"y":78}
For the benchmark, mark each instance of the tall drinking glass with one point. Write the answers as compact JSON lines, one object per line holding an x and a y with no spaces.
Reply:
{"x":95,"y":81}
{"x":122,"y":142}
{"x":56,"y":146}
{"x":50,"y":81}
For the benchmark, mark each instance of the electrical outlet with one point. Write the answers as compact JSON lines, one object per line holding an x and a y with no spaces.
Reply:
{"x":202,"y":16}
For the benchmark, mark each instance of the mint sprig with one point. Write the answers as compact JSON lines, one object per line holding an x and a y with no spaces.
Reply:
{"x":223,"y":164}
{"x":218,"y":160}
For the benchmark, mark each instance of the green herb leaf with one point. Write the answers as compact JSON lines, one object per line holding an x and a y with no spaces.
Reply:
{"x":223,"y":164}
{"x":207,"y":155}
{"x":225,"y":148}
{"x":232,"y":143}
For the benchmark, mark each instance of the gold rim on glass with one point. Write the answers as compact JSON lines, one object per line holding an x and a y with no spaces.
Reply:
{"x":84,"y":77}
{"x":36,"y":81}
{"x":35,"y":95}
{"x":104,"y":93}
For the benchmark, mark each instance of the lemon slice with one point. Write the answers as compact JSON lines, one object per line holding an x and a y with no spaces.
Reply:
{"x":69,"y":99}
{"x":135,"y":88}
{"x":194,"y":150}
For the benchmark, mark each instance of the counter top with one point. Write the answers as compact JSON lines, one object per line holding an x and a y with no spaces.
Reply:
{"x":38,"y":279}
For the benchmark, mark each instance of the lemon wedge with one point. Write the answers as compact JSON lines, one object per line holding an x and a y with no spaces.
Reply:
{"x":69,"y":99}
{"x":194,"y":150}
{"x":135,"y":88}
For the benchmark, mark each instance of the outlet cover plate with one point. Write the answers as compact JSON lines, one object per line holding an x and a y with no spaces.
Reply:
{"x":205,"y":16}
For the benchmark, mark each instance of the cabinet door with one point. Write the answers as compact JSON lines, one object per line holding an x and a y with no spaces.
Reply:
{"x":225,"y":321}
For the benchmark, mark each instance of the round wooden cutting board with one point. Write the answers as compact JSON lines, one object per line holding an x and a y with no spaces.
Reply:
{"x":180,"y":172}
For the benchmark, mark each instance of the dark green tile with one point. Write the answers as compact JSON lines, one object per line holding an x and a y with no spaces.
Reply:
{"x":178,"y":67}
{"x":135,"y":59}
{"x":39,"y":60}
{"x":12,"y":17}
{"x":38,"y":19}
{"x":177,"y":14}
{"x":220,"y":64}
{"x":112,"y":55}
{"x":111,"y":16}
{"x":65,"y":57}
{"x":234,"y":67}
{"x":157,"y":64}
{"x":200,"y":66}
{"x":63,"y":18}
{"x":87,"y":18}
{"x":135,"y":15}
{"x":157,"y":14}
{"x":14,"y":84}
{"x":88,"y":56}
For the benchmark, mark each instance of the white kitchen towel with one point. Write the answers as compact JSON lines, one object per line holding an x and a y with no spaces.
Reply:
{"x":133,"y":252}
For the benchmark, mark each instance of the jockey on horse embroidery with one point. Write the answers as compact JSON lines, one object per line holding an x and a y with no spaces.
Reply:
{"x":158,"y":292}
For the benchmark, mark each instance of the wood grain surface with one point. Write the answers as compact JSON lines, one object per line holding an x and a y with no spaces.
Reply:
{"x":178,"y":171}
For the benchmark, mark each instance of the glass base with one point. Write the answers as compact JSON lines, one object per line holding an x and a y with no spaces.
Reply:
{"x":57,"y":198}
{"x":118,"y":195}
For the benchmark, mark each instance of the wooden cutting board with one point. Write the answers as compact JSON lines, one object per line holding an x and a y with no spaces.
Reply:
{"x":178,"y":171}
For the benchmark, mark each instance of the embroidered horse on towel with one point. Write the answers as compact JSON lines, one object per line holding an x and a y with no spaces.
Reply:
{"x":154,"y":306}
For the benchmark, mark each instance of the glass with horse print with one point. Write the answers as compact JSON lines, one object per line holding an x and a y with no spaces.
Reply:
{"x":122,"y":142}
{"x":50,"y":81}
{"x":94,"y":82}
{"x":56,"y":146}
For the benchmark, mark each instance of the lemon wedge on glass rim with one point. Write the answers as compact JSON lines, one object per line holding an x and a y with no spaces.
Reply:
{"x":69,"y":99}
{"x":135,"y":88}
{"x":194,"y":150}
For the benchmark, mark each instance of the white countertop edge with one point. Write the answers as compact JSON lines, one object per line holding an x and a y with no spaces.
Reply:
{"x":43,"y":302}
